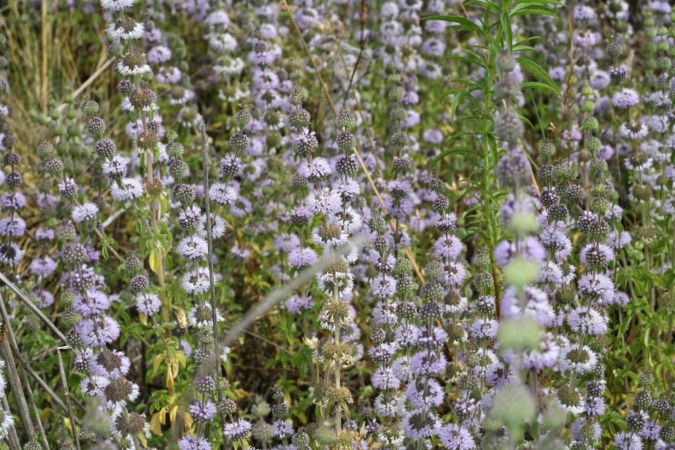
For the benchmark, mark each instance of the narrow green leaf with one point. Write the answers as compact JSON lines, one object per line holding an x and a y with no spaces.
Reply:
{"x":536,"y":85}
{"x":540,"y":2}
{"x":466,"y":151}
{"x":519,"y":48}
{"x":536,"y":70}
{"x":522,"y":10}
{"x":483,"y":4}
{"x":463,"y":23}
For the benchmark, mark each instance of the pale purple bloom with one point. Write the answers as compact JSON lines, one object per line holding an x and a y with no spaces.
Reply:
{"x":282,"y":429}
{"x":193,"y":248}
{"x":587,"y":321}
{"x":203,"y":411}
{"x":383,"y":378}
{"x":300,"y":258}
{"x":126,"y":189}
{"x":148,"y":304}
{"x":456,"y":437}
{"x":448,"y":247}
{"x":91,"y":302}
{"x":627,"y":441}
{"x":383,"y":286}
{"x":425,"y":393}
{"x":99,"y":331}
{"x":193,"y":443}
{"x":238,"y":429}
{"x":420,"y":424}
{"x":43,"y":298}
{"x":296,"y":304}
{"x":43,"y":266}
{"x":597,"y":286}
{"x":84,"y":213}
{"x":625,"y":99}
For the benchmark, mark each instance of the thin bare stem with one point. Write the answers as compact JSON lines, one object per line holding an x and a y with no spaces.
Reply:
{"x":64,"y":382}
{"x":362,"y":48}
{"x":209,"y":235}
{"x":44,"y":18}
{"x":113,"y":217}
{"x":13,"y":437}
{"x":13,"y":374}
{"x":36,"y":413}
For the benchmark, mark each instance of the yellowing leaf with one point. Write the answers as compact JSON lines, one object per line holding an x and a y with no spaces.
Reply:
{"x":157,"y":360}
{"x":157,"y":420}
{"x":169,"y":379}
{"x":143,"y":318}
{"x":240,"y":393}
{"x":187,"y":418}
{"x":180,"y":357}
{"x":164,"y":204}
{"x":173,"y":413}
{"x":181,"y":317}
{"x":141,"y":437}
{"x":155,"y":259}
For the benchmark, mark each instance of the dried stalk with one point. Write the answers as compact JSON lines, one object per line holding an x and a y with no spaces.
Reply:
{"x":36,"y":412}
{"x":13,"y":374}
{"x":64,"y":382}
{"x":12,"y":437}
{"x":44,"y":19}
{"x":88,"y":82}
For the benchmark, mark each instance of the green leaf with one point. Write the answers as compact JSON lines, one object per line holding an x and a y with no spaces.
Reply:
{"x":457,"y":100}
{"x":464,"y":23}
{"x":483,"y":4}
{"x":538,"y":86}
{"x":518,"y":48}
{"x":536,"y":70}
{"x":522,"y":10}
{"x":540,"y":2}
{"x":508,"y":32}
{"x":466,"y":151}
{"x":469,"y":59}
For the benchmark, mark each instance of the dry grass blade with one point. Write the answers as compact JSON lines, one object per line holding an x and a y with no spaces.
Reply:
{"x":27,"y":301}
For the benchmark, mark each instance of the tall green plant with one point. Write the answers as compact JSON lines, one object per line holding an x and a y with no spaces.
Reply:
{"x":474,"y":106}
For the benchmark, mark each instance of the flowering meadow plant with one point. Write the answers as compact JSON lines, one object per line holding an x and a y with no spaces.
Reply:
{"x":337,"y":224}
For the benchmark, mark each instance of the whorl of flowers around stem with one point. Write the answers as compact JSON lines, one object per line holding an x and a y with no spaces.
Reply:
{"x":43,"y":266}
{"x":94,"y":331}
{"x":161,"y":165}
{"x":167,"y":55}
{"x":12,"y":226}
{"x":648,"y":138}
{"x":6,"y":418}
{"x":649,"y":423}
{"x":223,"y":46}
{"x":385,"y":326}
{"x":336,"y":350}
{"x":302,"y":145}
{"x":400,"y":198}
{"x":278,"y":433}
